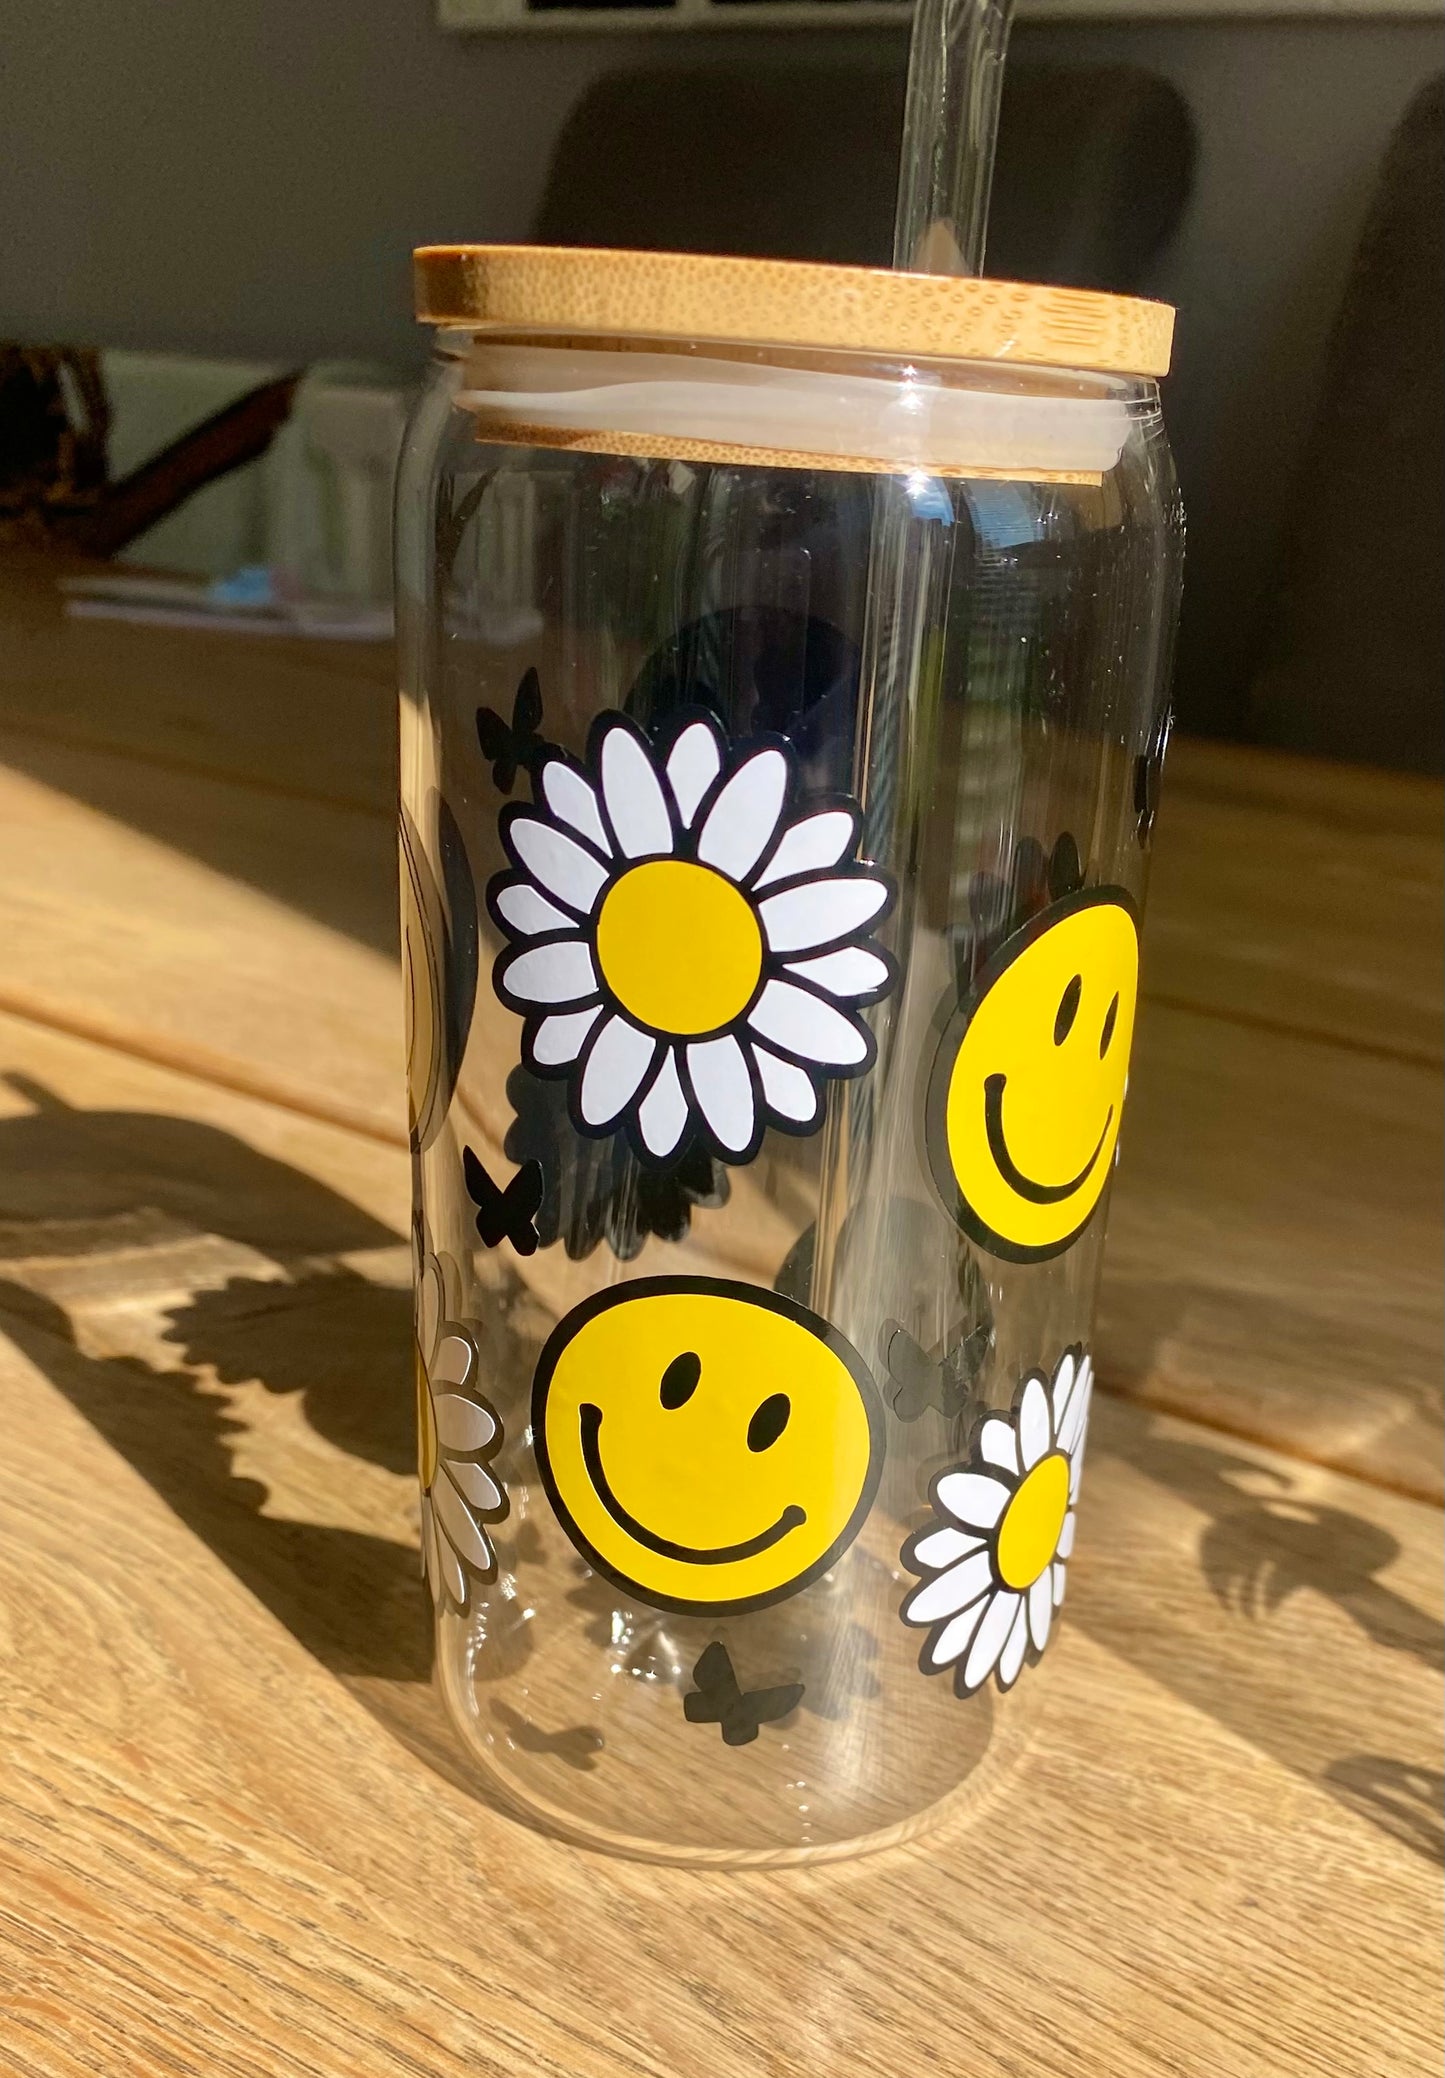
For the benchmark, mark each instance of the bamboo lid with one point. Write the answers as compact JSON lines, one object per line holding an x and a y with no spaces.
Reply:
{"x":695,"y":296}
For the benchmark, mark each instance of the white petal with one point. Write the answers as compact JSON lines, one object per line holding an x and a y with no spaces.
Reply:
{"x":450,"y":1568}
{"x":949,"y":1592}
{"x":973,"y":1498}
{"x":951,"y":1641}
{"x":810,"y":846}
{"x":1036,"y":1430}
{"x":462,"y":1424}
{"x":460,"y":1527}
{"x":1063,"y":1385}
{"x":475,"y":1484}
{"x":1066,"y":1536}
{"x":944,"y":1548}
{"x":562,"y":866}
{"x":1060,"y":1582}
{"x":616,"y":1069}
{"x":693,"y":764}
{"x":558,"y":973}
{"x":803,"y":1024}
{"x":992,"y":1636}
{"x":786,"y":1089}
{"x":998,"y":1445}
{"x":559,"y":1039}
{"x":1041,"y":1608}
{"x":526,"y":910}
{"x":852,"y":971}
{"x":633,"y":793}
{"x":571,"y":800}
{"x":1011,"y":1659}
{"x":741,"y":822}
{"x":723,"y":1088}
{"x":452,"y":1361}
{"x":662,"y":1113}
{"x":820,"y":912}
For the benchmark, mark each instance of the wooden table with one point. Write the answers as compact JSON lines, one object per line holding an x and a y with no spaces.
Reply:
{"x":235,"y":1835}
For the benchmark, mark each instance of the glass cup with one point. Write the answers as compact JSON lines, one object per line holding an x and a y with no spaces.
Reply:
{"x":784,"y":658}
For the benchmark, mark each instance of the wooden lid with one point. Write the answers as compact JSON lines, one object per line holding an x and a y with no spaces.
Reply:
{"x":576,"y":289}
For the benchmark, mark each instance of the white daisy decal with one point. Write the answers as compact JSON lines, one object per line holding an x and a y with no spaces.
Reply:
{"x":457,"y":1432}
{"x":994,"y":1563}
{"x":688,"y":938}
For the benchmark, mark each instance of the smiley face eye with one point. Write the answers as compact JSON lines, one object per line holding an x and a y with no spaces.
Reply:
{"x":1111,"y":1018}
{"x":679,"y":1380}
{"x":1068,"y":1009}
{"x":769,"y":1422}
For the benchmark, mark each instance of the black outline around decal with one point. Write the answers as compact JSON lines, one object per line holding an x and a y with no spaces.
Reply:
{"x":719,"y":1698}
{"x":951,"y":1022}
{"x":942,"y":1519}
{"x":588,"y":1309}
{"x":796,"y":805}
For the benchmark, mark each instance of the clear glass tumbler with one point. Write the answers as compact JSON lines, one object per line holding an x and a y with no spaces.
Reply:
{"x":784,"y":654}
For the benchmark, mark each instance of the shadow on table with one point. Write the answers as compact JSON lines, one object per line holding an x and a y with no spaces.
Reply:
{"x":349,"y":1597}
{"x":73,"y":1182}
{"x":78,"y":1187}
{"x":1256,"y":1551}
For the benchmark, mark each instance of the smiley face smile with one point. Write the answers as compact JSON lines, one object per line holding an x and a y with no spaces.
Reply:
{"x":1008,"y":1168}
{"x":792,"y":1517}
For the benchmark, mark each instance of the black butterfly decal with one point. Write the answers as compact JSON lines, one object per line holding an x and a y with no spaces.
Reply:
{"x":505,"y":1213}
{"x":719,"y":1700}
{"x":922,"y":1379}
{"x":515,"y":747}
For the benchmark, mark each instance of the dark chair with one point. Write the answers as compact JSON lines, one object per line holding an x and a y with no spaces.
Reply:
{"x":1355,"y":662}
{"x":801,"y":162}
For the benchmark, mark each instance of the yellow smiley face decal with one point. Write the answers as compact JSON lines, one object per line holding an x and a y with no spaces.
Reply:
{"x":1028,"y":1087}
{"x":708,"y":1446}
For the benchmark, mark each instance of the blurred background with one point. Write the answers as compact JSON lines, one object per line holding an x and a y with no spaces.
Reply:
{"x":217,"y":200}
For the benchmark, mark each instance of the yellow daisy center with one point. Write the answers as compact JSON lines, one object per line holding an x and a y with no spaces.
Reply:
{"x":679,"y":946}
{"x":1033,"y":1521}
{"x":426,"y":1428}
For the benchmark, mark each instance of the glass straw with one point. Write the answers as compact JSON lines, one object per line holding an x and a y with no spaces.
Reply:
{"x":950,"y":128}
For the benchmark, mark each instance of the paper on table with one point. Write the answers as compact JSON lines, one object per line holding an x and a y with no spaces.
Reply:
{"x":178,"y":603}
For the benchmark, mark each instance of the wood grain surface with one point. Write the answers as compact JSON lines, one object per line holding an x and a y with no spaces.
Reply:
{"x":1276,"y":1220}
{"x":703,"y":296}
{"x":237,"y":1838}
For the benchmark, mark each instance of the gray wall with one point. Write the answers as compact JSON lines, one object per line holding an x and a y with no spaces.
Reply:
{"x":249,"y":178}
